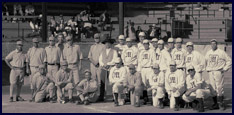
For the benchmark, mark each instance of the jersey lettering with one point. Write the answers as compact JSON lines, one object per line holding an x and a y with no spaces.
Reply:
{"x":129,"y":54}
{"x":157,"y":56}
{"x":146,"y":56}
{"x":116,"y":75}
{"x":172,"y":80}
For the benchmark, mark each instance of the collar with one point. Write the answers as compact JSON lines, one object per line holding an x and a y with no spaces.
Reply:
{"x":17,"y":51}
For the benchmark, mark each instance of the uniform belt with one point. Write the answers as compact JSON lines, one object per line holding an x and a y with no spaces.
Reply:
{"x":181,"y":68}
{"x":145,"y":67}
{"x":52,"y":64}
{"x":34,"y":66}
{"x":72,"y":63}
{"x":18,"y":68}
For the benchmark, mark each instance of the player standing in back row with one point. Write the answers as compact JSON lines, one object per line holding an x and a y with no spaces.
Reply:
{"x":217,"y":62}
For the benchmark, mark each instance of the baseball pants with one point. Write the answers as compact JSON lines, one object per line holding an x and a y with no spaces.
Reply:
{"x":17,"y":77}
{"x":200,"y":93}
{"x":157,"y":93}
{"x":42,"y":94}
{"x":217,"y":82}
{"x":66,"y":87}
{"x":175,"y":94}
{"x":144,"y":73}
{"x":75,"y":71}
{"x":52,"y":70}
{"x":136,"y":92}
{"x":96,"y":73}
{"x":33,"y":71}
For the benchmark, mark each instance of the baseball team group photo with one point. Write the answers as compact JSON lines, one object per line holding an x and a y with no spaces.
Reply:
{"x":116,"y":57}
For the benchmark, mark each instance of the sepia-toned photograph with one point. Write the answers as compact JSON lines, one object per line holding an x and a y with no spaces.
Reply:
{"x":116,"y":57}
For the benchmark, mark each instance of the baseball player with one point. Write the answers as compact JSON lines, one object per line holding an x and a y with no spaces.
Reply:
{"x":163,"y":57}
{"x":53,"y":55}
{"x":35,"y":57}
{"x":121,"y":46}
{"x":94,"y":54}
{"x":134,"y":84}
{"x":60,"y":42}
{"x":155,"y":83}
{"x":129,"y":54}
{"x":106,"y":61}
{"x":194,"y":58}
{"x":42,"y":86}
{"x":197,"y":90}
{"x":175,"y":85}
{"x":146,"y":59}
{"x":178,"y":54}
{"x":140,"y":45}
{"x":87,"y":89}
{"x":217,"y":62}
{"x":170,"y":45}
{"x":16,"y":61}
{"x":63,"y":82}
{"x":116,"y":79}
{"x":73,"y":55}
{"x":154,"y":42}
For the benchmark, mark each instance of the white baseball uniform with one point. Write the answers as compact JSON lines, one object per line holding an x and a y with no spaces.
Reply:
{"x":140,"y":46}
{"x":117,"y":76}
{"x":177,"y":80}
{"x":204,"y":92}
{"x":120,"y":48}
{"x":163,"y":58}
{"x":179,"y":56}
{"x":216,"y":62}
{"x":196,"y":60}
{"x":146,"y":59}
{"x":129,"y":55}
{"x":157,"y":91}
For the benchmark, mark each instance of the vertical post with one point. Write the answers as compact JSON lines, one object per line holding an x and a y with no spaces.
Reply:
{"x":18,"y":28}
{"x":44,"y":21}
{"x":198,"y":28}
{"x":22,"y":34}
{"x":121,"y":18}
{"x":226,"y":24}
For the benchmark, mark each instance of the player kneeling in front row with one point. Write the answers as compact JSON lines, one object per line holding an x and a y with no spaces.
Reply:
{"x":197,"y":90}
{"x":64,"y":82}
{"x":87,"y":89}
{"x":175,"y":85}
{"x":134,"y":84}
{"x":42,"y":86}
{"x":155,"y":81}
{"x":117,"y":77}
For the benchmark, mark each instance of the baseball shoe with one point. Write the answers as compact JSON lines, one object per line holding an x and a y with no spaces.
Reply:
{"x":86,"y":102}
{"x":11,"y":99}
{"x":201,"y":105}
{"x":161,"y":103}
{"x":71,"y":101}
{"x":214,"y":106}
{"x":137,"y":104}
{"x":62,"y":101}
{"x":18,"y":98}
{"x":195,"y":105}
{"x":116,"y":104}
{"x":222,"y":104}
{"x":79,"y":102}
{"x":52,"y":100}
{"x":176,"y":108}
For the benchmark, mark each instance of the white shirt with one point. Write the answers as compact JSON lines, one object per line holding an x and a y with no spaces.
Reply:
{"x":196,"y":60}
{"x":163,"y":58}
{"x":155,"y":79}
{"x":115,"y":55}
{"x":179,"y":56}
{"x":129,"y":55}
{"x":117,"y":74}
{"x":146,"y":59}
{"x":174,"y":79}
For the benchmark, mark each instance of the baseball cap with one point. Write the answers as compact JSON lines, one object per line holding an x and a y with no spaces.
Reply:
{"x":145,"y":41}
{"x":131,"y":66}
{"x":160,"y":42}
{"x":97,"y":35}
{"x":170,"y":40}
{"x":128,"y":39}
{"x":142,"y":34}
{"x":87,"y":70}
{"x":179,"y":40}
{"x":154,"y":40}
{"x":213,"y":40}
{"x":121,"y":37}
{"x":63,"y":63}
{"x":189,"y":44}
{"x":51,"y":38}
{"x":117,"y":60}
{"x":68,"y":38}
{"x":190,"y":67}
{"x":19,"y":42}
{"x":42,"y":66}
{"x":155,"y":65}
{"x":172,"y":62}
